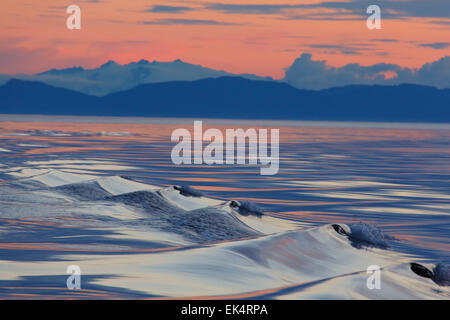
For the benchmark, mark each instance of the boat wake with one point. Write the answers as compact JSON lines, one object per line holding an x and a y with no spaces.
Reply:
{"x":151,"y":241}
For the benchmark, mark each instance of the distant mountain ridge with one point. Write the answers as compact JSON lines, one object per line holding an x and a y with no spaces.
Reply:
{"x":235,"y":98}
{"x":113,"y":77}
{"x":304,"y":73}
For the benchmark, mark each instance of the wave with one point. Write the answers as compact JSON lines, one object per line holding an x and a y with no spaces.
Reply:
{"x":231,"y":249}
{"x":180,"y":210}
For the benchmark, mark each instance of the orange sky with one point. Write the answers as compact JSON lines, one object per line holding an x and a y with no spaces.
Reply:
{"x":34,"y":36}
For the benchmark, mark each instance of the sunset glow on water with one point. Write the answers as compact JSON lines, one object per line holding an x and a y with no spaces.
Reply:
{"x":394,"y":178}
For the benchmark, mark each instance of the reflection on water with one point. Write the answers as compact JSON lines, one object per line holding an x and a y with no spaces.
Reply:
{"x":396,"y":178}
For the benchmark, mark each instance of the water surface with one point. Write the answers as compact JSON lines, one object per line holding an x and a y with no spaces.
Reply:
{"x":395,"y":176}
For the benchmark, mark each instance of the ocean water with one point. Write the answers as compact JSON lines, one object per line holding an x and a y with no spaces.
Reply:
{"x":98,"y":193}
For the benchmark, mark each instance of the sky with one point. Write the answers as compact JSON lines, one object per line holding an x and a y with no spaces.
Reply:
{"x":261,"y":37}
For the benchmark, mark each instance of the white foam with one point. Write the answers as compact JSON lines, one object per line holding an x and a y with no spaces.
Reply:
{"x":14,"y":134}
{"x":32,"y":145}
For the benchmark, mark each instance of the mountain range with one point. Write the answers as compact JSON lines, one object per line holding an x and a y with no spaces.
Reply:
{"x":234,"y":97}
{"x":112,"y":77}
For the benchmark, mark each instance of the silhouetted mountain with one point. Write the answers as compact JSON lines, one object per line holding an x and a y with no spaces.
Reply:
{"x":226,"y":97}
{"x":405,"y":102}
{"x":235,"y":97}
{"x":29,"y":97}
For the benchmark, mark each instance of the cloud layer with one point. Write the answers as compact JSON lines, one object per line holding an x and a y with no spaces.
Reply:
{"x":169,"y":9}
{"x":394,"y":9}
{"x":307,"y":73}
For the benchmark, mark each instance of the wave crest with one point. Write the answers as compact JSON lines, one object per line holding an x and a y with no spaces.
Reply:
{"x":363,"y":234}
